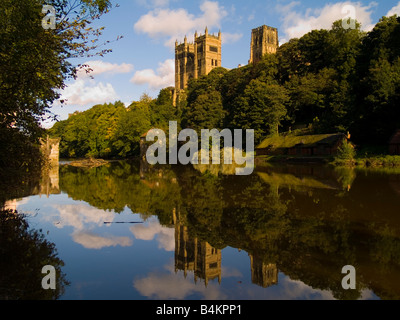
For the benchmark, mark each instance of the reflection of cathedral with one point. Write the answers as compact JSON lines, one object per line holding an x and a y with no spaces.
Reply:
{"x":194,"y":255}
{"x":263,"y":274}
{"x":199,"y":257}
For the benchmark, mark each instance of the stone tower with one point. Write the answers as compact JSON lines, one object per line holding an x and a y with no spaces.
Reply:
{"x":196,"y":59}
{"x":263,"y":274}
{"x":264,"y":40}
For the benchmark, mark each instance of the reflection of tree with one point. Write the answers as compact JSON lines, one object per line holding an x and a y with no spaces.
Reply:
{"x":20,"y":165}
{"x":203,"y":205}
{"x":309,"y":236}
{"x":121,"y":184}
{"x":307,"y":229}
{"x":24,"y":253}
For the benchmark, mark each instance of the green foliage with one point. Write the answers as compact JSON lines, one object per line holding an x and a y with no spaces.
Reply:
{"x":162,"y":110}
{"x":204,"y":109}
{"x":346,"y":151}
{"x":261,"y":107}
{"x":90,"y":133}
{"x":34,"y":65}
{"x":24,"y":252}
{"x":37,"y":59}
{"x":378,"y":91}
{"x":134,"y":123}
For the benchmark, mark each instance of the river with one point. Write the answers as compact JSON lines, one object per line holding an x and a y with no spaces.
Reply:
{"x":129,"y":231}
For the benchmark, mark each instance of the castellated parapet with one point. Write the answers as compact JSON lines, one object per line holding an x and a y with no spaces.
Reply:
{"x":264,"y":40}
{"x":196,"y":59}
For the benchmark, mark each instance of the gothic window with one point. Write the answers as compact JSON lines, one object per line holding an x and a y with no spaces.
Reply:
{"x":213,"y":49}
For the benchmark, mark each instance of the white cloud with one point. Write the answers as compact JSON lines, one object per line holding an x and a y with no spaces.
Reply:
{"x":231,"y":37}
{"x":165,"y":236}
{"x":175,"y":24}
{"x":251,"y":17}
{"x":86,"y":92}
{"x":81,"y":216}
{"x":169,"y":285}
{"x":101,"y":67}
{"x":394,"y":10}
{"x":90,"y":240}
{"x":228,"y":272}
{"x":153,"y":3}
{"x":162,"y":78}
{"x":296,"y":24}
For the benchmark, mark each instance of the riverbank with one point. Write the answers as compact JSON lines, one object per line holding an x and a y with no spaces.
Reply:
{"x":88,"y":163}
{"x":376,"y":161}
{"x":364,"y":162}
{"x":259,"y":160}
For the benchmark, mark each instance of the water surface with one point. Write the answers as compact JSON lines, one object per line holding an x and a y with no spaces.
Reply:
{"x":130,"y":231}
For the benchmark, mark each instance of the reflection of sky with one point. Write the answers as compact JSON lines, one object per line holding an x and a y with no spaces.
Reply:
{"x":136,"y":261}
{"x":165,"y":284}
{"x":165,"y":237}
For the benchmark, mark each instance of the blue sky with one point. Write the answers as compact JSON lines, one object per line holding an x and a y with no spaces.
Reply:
{"x":143,"y":60}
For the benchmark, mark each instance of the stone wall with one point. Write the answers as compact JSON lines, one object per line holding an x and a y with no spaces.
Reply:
{"x":51,"y":150}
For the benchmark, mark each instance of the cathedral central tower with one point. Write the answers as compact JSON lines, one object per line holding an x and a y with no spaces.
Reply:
{"x":264,"y":40}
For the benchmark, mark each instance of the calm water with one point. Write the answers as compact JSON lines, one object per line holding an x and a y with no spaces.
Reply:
{"x":126,"y":231}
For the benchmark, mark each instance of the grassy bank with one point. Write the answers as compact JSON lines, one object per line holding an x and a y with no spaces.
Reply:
{"x":373,"y":161}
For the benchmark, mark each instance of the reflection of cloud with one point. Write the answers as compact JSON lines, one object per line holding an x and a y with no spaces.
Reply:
{"x":79,"y":215}
{"x":14,"y":204}
{"x":93,"y":241}
{"x":294,"y":289}
{"x":228,"y":272}
{"x":169,"y":285}
{"x":165,"y":236}
{"x":82,"y":218}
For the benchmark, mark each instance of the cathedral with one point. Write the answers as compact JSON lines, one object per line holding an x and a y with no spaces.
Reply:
{"x":198,"y":58}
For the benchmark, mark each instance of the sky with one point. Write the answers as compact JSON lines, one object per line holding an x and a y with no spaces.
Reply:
{"x":143,"y":60}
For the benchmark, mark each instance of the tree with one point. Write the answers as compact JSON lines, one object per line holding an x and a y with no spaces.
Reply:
{"x":262,"y":108}
{"x":24,"y":252}
{"x":136,"y":122}
{"x":204,"y":108}
{"x":34,"y":65}
{"x":310,"y":96}
{"x":162,"y":109}
{"x":90,"y":133}
{"x":206,"y":112}
{"x":378,"y":89}
{"x":34,"y":62}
